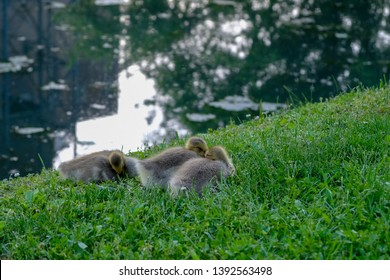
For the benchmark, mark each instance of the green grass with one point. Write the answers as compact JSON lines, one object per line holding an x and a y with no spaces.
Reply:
{"x":312,"y":183}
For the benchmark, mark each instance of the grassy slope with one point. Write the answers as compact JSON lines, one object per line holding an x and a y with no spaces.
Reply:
{"x":312,"y":183}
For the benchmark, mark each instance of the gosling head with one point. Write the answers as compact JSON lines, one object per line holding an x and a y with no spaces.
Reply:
{"x":217,"y":153}
{"x":198,"y":145}
{"x":117,"y":161}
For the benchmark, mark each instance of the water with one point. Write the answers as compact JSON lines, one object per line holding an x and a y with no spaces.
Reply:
{"x":81,"y":76}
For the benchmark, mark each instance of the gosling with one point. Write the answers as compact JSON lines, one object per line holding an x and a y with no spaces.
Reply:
{"x":198,"y":172}
{"x":98,"y":167}
{"x":157,"y":170}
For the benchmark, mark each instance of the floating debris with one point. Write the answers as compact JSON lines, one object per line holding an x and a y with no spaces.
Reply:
{"x":200,"y":117}
{"x":98,"y":106}
{"x":28,"y":130}
{"x":15,"y":64}
{"x":235,"y":103}
{"x":14,"y":173}
{"x":57,"y":5}
{"x":21,"y":60}
{"x":110,"y":2}
{"x":55,"y":86}
{"x":5,"y":67}
{"x":99,"y":84}
{"x":240,"y":103}
{"x":272,"y":107}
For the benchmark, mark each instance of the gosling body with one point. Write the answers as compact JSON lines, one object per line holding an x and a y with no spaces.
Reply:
{"x":93,"y":167}
{"x":157,"y":170}
{"x":98,"y":167}
{"x":197,"y":173}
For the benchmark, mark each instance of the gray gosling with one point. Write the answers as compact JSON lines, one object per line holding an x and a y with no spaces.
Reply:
{"x":157,"y":170}
{"x":111,"y":165}
{"x":97,"y":167}
{"x":198,"y":172}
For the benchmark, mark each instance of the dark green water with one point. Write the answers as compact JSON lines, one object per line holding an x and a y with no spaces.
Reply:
{"x":111,"y":76}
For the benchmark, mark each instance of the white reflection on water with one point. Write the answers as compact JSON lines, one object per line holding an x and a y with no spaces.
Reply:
{"x":110,"y":2}
{"x":128,"y":130}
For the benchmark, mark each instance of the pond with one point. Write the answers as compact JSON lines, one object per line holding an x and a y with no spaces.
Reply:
{"x":82,"y":76}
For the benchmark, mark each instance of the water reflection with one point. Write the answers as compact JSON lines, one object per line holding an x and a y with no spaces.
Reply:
{"x":69,"y":84}
{"x":133,"y":126}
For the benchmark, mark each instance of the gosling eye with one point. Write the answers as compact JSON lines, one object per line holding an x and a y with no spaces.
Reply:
{"x":209,"y":156}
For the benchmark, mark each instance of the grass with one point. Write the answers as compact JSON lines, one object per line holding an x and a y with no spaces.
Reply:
{"x":312,"y":183}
